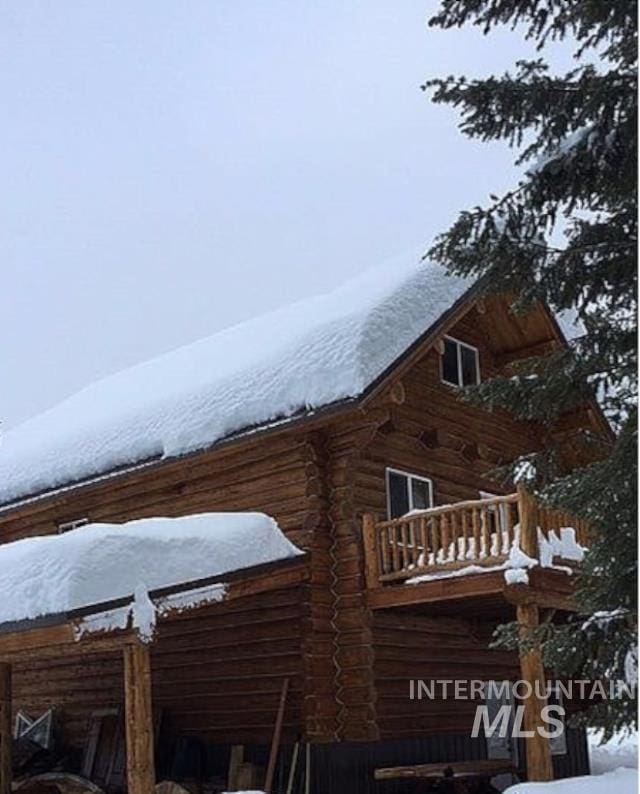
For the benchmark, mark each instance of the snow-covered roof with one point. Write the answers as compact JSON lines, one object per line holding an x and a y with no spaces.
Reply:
{"x":99,"y":563}
{"x":296,"y":359}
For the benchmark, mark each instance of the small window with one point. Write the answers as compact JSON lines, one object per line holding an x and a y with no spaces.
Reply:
{"x":460,"y":363}
{"x":406,"y":492}
{"x":66,"y":526}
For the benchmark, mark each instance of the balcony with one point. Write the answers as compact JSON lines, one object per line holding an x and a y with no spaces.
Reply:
{"x":468,"y":547}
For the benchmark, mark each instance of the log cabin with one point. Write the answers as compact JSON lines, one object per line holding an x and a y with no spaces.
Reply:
{"x":341,"y":418}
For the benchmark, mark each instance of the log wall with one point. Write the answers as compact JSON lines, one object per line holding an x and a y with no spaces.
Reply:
{"x":270,"y":476}
{"x":426,"y":648}
{"x":217,"y":674}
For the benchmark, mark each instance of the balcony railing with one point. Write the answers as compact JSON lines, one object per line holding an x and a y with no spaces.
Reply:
{"x":482,"y":532}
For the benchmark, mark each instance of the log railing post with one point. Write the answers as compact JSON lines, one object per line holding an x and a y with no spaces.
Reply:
{"x":538,"y":749}
{"x":527,"y":514}
{"x":369,"y":542}
{"x":6,"y":732}
{"x":138,"y":719}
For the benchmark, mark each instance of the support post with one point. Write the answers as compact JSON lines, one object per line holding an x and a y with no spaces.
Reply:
{"x":138,"y":719}
{"x":371,"y":567}
{"x":6,"y":733}
{"x":538,"y":749}
{"x":527,"y":515}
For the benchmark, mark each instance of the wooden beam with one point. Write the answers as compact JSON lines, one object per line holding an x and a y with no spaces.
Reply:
{"x":445,"y":589}
{"x":138,"y":719}
{"x":538,"y":749}
{"x":5,"y":729}
{"x":55,"y":642}
{"x":527,"y":514}
{"x":535,"y":350}
{"x":522,"y":594}
{"x":274,"y":579}
{"x":371,"y":568}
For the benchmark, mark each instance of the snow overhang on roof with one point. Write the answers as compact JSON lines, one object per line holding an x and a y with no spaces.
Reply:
{"x":290,"y":362}
{"x":116,"y":566}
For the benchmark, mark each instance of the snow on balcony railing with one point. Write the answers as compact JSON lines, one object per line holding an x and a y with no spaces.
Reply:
{"x":482,"y":532}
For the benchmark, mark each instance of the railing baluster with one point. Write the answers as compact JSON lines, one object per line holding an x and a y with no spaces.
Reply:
{"x":404,"y":537}
{"x":508,"y":525}
{"x":394,"y":548}
{"x":475,"y":523}
{"x":486,"y":533}
{"x":435,"y":540}
{"x":464,"y":545}
{"x":445,"y":536}
{"x":424,"y":557}
{"x":384,"y":547}
{"x":411,"y":542}
{"x":452,"y":554}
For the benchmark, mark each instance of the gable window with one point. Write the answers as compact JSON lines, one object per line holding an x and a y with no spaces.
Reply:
{"x":66,"y":526}
{"x":406,"y":492}
{"x":460,"y":363}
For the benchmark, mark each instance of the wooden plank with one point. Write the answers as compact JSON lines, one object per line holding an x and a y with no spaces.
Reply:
{"x":5,"y":729}
{"x":236,"y":758}
{"x":481,"y":768}
{"x":538,"y":749}
{"x":275,"y":741}
{"x":138,"y":719}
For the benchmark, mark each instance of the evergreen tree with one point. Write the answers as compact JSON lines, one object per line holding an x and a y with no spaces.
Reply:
{"x":576,"y":135}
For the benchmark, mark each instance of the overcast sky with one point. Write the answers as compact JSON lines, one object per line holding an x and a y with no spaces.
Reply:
{"x":169,"y":168}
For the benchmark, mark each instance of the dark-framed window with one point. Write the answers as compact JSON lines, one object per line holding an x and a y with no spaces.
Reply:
{"x":406,"y":492}
{"x":460,"y":363}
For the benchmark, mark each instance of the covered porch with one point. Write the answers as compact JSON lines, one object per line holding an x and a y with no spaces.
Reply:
{"x":162,"y":648}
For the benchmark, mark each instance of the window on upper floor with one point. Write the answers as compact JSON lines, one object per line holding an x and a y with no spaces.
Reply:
{"x":406,"y":492}
{"x":460,"y":363}
{"x":66,"y":526}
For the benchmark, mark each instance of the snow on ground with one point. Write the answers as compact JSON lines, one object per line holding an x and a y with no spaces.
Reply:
{"x":614,"y":767}
{"x":101,"y":562}
{"x":299,"y":358}
{"x":621,"y":750}
{"x":620,"y":781}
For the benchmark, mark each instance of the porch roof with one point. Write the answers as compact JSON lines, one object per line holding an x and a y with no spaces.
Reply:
{"x":130,"y":573}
